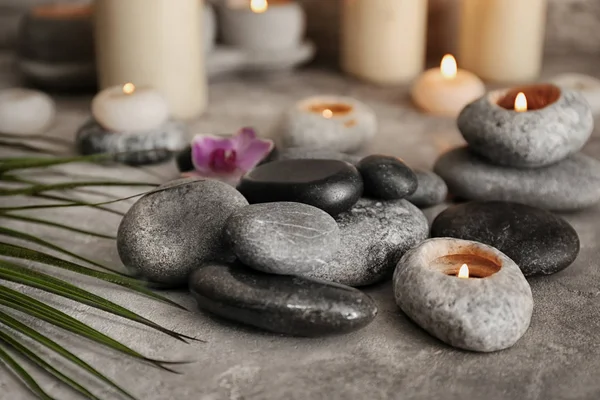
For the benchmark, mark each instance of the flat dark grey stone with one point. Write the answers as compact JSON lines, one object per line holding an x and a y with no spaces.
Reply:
{"x":539,"y":242}
{"x":306,"y":153}
{"x":431,"y":189}
{"x":386,"y":177}
{"x":528,"y":139}
{"x":374,"y":235}
{"x":571,"y":184}
{"x":282,"y":304}
{"x":331,"y":185}
{"x":140,"y":147}
{"x":283,"y":238}
{"x":479,"y":314}
{"x":174,"y":229}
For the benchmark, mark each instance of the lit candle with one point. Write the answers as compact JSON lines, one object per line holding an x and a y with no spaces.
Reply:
{"x":24,"y":111}
{"x":521,"y":102}
{"x":446,"y":90}
{"x":328,"y":122}
{"x":463,"y":272}
{"x":129,"y":109}
{"x":270,"y":25}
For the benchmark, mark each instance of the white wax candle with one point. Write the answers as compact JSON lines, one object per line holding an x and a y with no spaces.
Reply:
{"x":502,"y":40}
{"x":129,"y":109}
{"x":446,"y":90}
{"x":383,"y":41}
{"x":25,"y":112}
{"x":154,"y":43}
{"x":263,"y":24}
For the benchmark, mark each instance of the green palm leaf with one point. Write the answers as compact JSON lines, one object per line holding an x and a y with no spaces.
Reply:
{"x":20,"y":373}
{"x":56,"y":225}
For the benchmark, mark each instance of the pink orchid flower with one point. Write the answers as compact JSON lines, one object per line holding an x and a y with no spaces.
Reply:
{"x":228,"y":159}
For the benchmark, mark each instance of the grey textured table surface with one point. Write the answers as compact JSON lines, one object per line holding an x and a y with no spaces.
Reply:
{"x":558,"y":358}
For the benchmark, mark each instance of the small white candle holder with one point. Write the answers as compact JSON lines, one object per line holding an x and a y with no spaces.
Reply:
{"x":335,"y":123}
{"x":465,"y":293}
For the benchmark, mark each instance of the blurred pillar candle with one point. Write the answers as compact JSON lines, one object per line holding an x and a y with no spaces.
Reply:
{"x":502,"y":40}
{"x":157,"y":44}
{"x":383,"y":41}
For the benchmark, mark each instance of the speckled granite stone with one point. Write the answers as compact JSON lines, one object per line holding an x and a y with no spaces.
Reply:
{"x":529,"y":139}
{"x":431,"y":189}
{"x":479,"y":314}
{"x":282,"y":304}
{"x":141,"y":147}
{"x":282,"y":238}
{"x":374,"y":235}
{"x":571,"y":184}
{"x":539,"y":242}
{"x":175,"y":228}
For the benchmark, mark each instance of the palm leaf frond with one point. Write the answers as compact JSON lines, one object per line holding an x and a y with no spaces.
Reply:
{"x":56,"y":225}
{"x":22,"y":374}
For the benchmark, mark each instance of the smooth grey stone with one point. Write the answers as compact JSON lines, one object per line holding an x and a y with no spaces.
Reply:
{"x":528,"y":139}
{"x":479,"y":314}
{"x":431,"y":190}
{"x":374,"y":235}
{"x":571,"y":184}
{"x":137,"y":148}
{"x":175,"y":228}
{"x":539,"y":242}
{"x":283,"y":238}
{"x":283,"y":304}
{"x":386,"y":177}
{"x":306,"y":153}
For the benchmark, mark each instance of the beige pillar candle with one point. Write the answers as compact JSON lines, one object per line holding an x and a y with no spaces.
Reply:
{"x":502,"y":40}
{"x":157,"y":44}
{"x":383,"y":41}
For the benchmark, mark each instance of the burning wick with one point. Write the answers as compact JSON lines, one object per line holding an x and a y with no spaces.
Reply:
{"x":463,"y":272}
{"x":259,"y":6}
{"x":128,"y":88}
{"x":521,"y":102}
{"x":448,"y":67}
{"x":327,"y":113}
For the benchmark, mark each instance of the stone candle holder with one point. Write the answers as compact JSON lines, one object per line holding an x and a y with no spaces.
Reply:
{"x":328,"y":122}
{"x":279,"y":26}
{"x":488,"y":311}
{"x":133,"y":148}
{"x":557,"y":123}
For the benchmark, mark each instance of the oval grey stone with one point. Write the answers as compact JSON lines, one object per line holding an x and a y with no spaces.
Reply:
{"x":479,"y":314}
{"x":527,"y":139}
{"x":278,"y":303}
{"x":175,"y":228}
{"x":431,"y":191}
{"x":571,"y":184}
{"x":283,"y":238}
{"x":374,"y":236}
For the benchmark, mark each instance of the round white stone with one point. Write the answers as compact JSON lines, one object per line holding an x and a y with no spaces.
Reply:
{"x":143,"y":110}
{"x":25,"y":111}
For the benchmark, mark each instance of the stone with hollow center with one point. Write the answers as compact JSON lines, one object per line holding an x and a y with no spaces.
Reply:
{"x":489,"y":311}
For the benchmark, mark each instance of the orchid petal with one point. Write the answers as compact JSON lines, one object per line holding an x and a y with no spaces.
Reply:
{"x":243,"y":139}
{"x":254,"y":154}
{"x":202,"y":148}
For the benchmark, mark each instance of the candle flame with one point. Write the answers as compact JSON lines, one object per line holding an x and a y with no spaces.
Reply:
{"x":327,"y":113}
{"x":521,"y":102}
{"x":449,"y":67}
{"x":259,"y":6}
{"x":128,"y":88}
{"x":463,"y":272}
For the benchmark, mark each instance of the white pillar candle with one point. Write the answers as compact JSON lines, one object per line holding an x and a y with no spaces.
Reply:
{"x":129,"y":109}
{"x":262,"y":24}
{"x":156,"y":44}
{"x":446,"y":90}
{"x":502,"y":40}
{"x":383,"y":41}
{"x":25,"y":112}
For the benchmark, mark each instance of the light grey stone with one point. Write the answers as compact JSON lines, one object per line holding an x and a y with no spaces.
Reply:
{"x":431,"y":191}
{"x":527,"y":139}
{"x":481,"y":314}
{"x":374,"y":235}
{"x":571,"y":184}
{"x":346,"y":133}
{"x":141,"y":147}
{"x":176,"y":228}
{"x":283,"y":238}
{"x":587,"y":86}
{"x":301,"y":153}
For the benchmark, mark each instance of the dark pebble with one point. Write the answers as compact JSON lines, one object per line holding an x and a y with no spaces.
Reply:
{"x":387,"y":177}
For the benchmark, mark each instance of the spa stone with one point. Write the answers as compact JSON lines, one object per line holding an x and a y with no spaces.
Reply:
{"x":431,"y":189}
{"x":386,"y":177}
